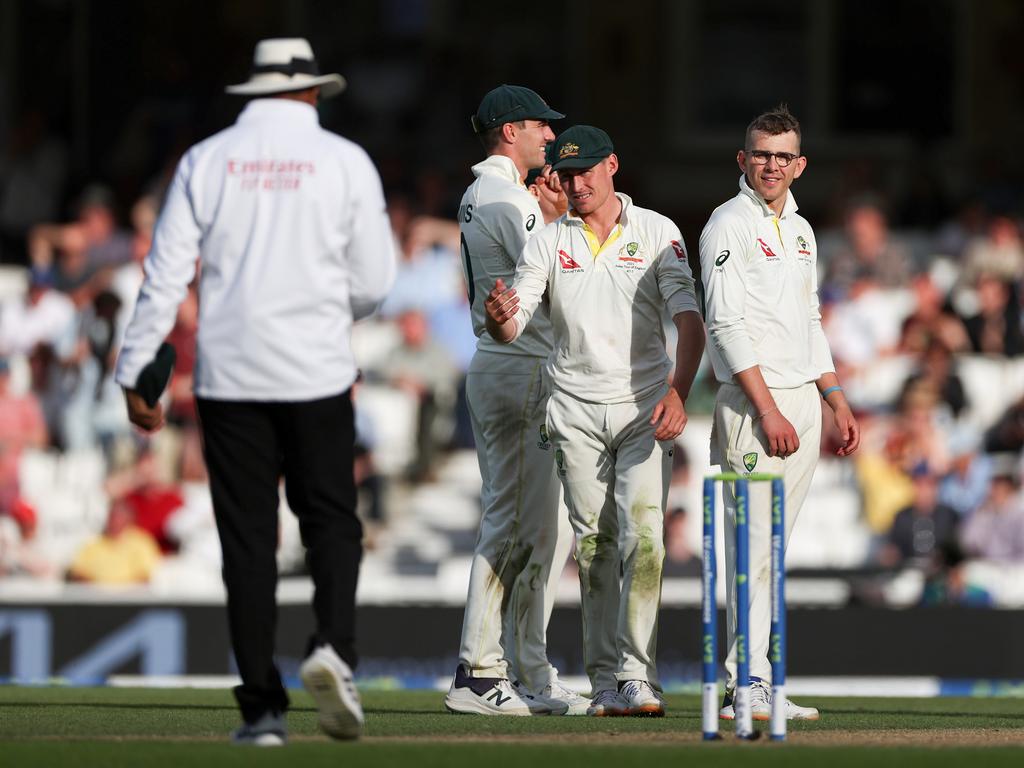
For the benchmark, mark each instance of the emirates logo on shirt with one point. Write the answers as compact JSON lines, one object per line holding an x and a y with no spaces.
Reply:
{"x":568,"y":262}
{"x":768,"y":252}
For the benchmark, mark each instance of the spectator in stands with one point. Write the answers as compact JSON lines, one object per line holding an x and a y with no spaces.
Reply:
{"x":151,"y":500}
{"x":996,"y":530}
{"x":996,"y":328}
{"x":18,"y":553}
{"x":999,"y":252}
{"x":966,"y":485}
{"x":122,"y":554}
{"x":924,"y":533}
{"x":421,"y":367}
{"x":83,"y":253}
{"x":868,"y":250}
{"x":936,"y":367}
{"x":44,"y":316}
{"x":931,"y":319}
{"x":21,"y":426}
{"x":1007,"y":434}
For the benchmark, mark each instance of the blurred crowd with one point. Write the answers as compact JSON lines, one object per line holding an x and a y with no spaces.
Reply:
{"x":925,"y":325}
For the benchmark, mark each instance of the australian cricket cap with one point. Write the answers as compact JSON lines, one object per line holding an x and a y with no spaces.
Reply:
{"x":581,"y":146}
{"x":509,"y":103}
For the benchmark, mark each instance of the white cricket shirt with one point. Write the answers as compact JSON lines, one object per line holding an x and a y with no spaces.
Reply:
{"x":607,"y":301}
{"x":761,"y":292}
{"x":496,"y":218}
{"x":289,"y":223}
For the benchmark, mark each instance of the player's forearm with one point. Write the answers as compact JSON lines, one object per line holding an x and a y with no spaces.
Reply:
{"x":503,"y":333}
{"x":689,"y":349}
{"x":829,"y":383}
{"x":751,"y":381}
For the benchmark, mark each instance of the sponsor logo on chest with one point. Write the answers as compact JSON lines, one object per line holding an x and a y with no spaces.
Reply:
{"x":569,"y":264}
{"x":766,"y":249}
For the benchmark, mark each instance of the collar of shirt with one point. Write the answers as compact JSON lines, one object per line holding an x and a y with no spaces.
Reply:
{"x":279,"y":109}
{"x":595,"y":246}
{"x":499,"y":165}
{"x":756,"y":199}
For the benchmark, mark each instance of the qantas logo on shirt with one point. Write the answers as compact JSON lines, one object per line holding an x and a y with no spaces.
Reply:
{"x":678,"y":248}
{"x":568,"y":262}
{"x":768,"y":252}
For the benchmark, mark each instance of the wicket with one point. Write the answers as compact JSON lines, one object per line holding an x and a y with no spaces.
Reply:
{"x":709,"y":608}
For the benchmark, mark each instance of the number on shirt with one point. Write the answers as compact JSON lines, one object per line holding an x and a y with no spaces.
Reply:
{"x":470,"y":285}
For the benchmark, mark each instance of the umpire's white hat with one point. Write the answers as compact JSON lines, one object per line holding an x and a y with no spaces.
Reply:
{"x":284,"y":64}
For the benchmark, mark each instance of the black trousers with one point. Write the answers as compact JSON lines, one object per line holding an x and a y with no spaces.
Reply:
{"x":248,"y":446}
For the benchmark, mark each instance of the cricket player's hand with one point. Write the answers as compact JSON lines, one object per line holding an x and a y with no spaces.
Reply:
{"x":501,"y":305}
{"x":780,"y":434}
{"x":671,"y":414}
{"x":142,"y":415}
{"x":849,"y":430}
{"x":551,"y":190}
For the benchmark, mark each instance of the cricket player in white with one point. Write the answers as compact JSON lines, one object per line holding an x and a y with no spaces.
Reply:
{"x":758,"y":263}
{"x":612,"y":273}
{"x":524,"y":538}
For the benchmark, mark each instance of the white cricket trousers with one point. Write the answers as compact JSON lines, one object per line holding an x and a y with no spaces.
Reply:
{"x":735,"y":435}
{"x":616,"y":478}
{"x":524,"y":537}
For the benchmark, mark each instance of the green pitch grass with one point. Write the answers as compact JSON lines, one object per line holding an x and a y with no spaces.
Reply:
{"x":188,"y":728}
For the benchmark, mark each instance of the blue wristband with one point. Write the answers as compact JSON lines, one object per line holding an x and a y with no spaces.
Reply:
{"x":830,"y":390}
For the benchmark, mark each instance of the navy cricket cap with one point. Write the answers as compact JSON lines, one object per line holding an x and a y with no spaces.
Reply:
{"x":508,"y":104}
{"x":582,"y":146}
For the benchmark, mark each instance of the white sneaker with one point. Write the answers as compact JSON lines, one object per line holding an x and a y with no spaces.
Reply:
{"x":641,"y":699}
{"x":490,"y":696}
{"x":268,"y":731}
{"x":760,"y":699}
{"x":761,"y":705}
{"x":575,"y":704}
{"x":555,"y":706}
{"x":762,"y":710}
{"x":607,"y":703}
{"x":329,"y":681}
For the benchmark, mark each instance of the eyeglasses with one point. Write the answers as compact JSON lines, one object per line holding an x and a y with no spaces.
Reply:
{"x":762,"y":156}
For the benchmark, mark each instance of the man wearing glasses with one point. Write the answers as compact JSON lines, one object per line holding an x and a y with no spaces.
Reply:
{"x":758,"y":263}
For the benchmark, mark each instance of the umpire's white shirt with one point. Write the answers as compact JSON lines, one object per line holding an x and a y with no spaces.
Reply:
{"x":496,"y":218}
{"x":761,"y":292}
{"x":607,"y":301}
{"x":290,"y":224}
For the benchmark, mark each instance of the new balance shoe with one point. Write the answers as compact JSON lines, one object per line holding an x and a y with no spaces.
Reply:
{"x":607,"y":703}
{"x":490,"y":696}
{"x":641,"y":699}
{"x":555,"y":706}
{"x":268,"y":731}
{"x":575,"y":704}
{"x":329,"y":681}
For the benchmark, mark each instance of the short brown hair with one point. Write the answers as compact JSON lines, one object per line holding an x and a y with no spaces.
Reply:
{"x":773,"y":122}
{"x":492,"y":137}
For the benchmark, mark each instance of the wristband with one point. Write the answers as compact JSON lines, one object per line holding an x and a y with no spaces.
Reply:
{"x":830,"y":390}
{"x":762,"y":415}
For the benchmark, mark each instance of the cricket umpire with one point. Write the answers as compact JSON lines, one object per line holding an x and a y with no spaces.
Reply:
{"x":289,"y":226}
